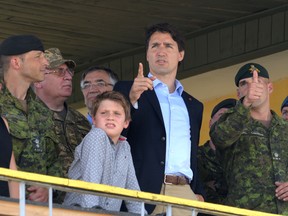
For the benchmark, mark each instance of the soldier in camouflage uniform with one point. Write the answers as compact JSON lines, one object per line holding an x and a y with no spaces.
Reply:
{"x":34,"y":140}
{"x":70,"y":125}
{"x":209,"y":167}
{"x":284,"y":109}
{"x":253,"y":142}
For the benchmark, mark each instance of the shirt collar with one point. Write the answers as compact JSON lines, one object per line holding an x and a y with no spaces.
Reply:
{"x":89,"y":118}
{"x":179,"y":87}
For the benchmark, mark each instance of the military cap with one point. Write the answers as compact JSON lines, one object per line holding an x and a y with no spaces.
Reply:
{"x":55,"y":59}
{"x":19,"y":44}
{"x":246,"y":71}
{"x":285,"y":103}
{"x":227,"y":103}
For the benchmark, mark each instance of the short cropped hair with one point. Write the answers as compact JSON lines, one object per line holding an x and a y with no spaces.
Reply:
{"x":165,"y":28}
{"x":112,"y":96}
{"x":4,"y":64}
{"x":112,"y":75}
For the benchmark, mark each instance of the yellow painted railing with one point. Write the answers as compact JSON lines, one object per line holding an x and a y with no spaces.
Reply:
{"x":110,"y":191}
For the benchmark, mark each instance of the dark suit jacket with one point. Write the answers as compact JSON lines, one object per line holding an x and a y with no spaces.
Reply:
{"x":147,"y":138}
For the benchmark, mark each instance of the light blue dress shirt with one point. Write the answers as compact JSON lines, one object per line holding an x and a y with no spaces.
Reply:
{"x":89,"y":118}
{"x":177,"y":126}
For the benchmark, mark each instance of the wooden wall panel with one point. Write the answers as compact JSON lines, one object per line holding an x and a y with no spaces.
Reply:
{"x":213,"y":46}
{"x":264,"y":38}
{"x":115,"y":65}
{"x":137,"y":58}
{"x":190,"y":54}
{"x":238,"y":42}
{"x":127,"y":68}
{"x":278,"y":28}
{"x":226,"y":41}
{"x":251,"y":35}
{"x":200,"y":50}
{"x":286,"y":25}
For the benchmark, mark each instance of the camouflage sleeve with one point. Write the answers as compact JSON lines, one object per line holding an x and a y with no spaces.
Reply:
{"x":54,"y":167}
{"x":229,"y":127}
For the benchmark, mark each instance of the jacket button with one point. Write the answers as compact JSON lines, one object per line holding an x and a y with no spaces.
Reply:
{"x":162,"y":163}
{"x":163,"y":139}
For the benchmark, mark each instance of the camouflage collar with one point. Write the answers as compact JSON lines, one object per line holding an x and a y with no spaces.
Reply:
{"x":4,"y":90}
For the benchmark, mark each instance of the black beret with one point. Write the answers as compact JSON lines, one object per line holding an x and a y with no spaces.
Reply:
{"x":285,"y":103}
{"x":227,"y":103}
{"x":246,"y":71}
{"x":19,"y":44}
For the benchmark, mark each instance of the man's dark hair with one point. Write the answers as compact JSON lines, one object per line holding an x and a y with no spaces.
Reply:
{"x":165,"y":28}
{"x":113,"y":76}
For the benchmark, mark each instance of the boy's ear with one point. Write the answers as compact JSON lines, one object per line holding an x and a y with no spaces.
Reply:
{"x":126,"y":124}
{"x":93,"y":120}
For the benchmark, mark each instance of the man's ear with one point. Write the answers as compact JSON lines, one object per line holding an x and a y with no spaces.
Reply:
{"x":15,"y":62}
{"x":181,"y":56}
{"x":210,"y":123}
{"x":270,"y":87}
{"x":238,"y":94}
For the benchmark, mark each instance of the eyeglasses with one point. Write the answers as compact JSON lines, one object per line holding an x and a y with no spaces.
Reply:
{"x":98,"y":84}
{"x":61,"y":72}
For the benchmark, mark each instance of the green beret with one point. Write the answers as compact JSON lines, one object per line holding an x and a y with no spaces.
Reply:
{"x":55,"y":59}
{"x":227,"y":103}
{"x":19,"y":44}
{"x":285,"y":103}
{"x":246,"y":71}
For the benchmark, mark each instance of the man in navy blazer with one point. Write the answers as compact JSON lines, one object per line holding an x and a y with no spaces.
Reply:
{"x":166,"y":121}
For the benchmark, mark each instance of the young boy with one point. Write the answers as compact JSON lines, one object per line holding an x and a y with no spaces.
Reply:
{"x":104,"y":156}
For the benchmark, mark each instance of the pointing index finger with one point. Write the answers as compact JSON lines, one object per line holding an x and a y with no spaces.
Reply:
{"x":140,"y":70}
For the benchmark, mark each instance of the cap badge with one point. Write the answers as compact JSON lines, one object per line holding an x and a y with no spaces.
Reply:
{"x":253,"y":68}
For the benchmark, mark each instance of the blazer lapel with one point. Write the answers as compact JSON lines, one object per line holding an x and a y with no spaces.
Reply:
{"x":153,"y":100}
{"x":189,"y":105}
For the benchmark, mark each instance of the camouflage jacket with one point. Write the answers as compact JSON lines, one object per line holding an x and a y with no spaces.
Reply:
{"x":253,"y":157}
{"x":33,"y":137}
{"x":211,"y":174}
{"x":70,"y":131}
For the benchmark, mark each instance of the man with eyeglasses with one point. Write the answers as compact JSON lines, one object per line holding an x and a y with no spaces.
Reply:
{"x":70,"y":125}
{"x":284,"y":109}
{"x":96,"y":80}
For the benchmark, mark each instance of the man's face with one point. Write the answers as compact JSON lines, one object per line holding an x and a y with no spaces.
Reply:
{"x":111,"y":118}
{"x":33,"y":66}
{"x":97,"y":82}
{"x":58,"y":82}
{"x":285,"y":113}
{"x":163,"y":54}
{"x":244,"y":87}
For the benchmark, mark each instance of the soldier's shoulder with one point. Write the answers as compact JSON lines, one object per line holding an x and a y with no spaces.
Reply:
{"x":78,"y":117}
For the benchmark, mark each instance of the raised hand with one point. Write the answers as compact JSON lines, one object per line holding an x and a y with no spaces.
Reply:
{"x":140,"y":85}
{"x":255,"y":91}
